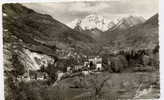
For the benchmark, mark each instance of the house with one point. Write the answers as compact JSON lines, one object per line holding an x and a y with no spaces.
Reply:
{"x":78,"y":67}
{"x":69,"y":69}
{"x":96,"y":61}
{"x":37,"y":75}
{"x":86,"y":64}
{"x":92,"y":60}
{"x":25,"y":77}
{"x":99,"y":66}
{"x":41,"y":76}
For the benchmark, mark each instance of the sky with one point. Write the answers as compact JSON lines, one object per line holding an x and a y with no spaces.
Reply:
{"x":66,"y":12}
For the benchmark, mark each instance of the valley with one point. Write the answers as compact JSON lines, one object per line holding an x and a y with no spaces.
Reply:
{"x":88,"y":59}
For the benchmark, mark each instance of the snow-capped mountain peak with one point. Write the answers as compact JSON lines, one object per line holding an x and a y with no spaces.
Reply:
{"x":74,"y":23}
{"x":103,"y":24}
{"x":127,"y":21}
{"x":92,"y":22}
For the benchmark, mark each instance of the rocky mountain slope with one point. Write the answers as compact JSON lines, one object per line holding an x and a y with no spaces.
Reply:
{"x":142,"y":36}
{"x":98,"y":26}
{"x":127,"y":22}
{"x":139,"y":36}
{"x":26,"y":30}
{"x":35,"y":28}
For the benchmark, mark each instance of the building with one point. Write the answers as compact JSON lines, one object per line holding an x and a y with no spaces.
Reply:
{"x":41,"y":76}
{"x":78,"y":67}
{"x":69,"y":69}
{"x":36,"y":75}
{"x":97,"y":62}
{"x":86,"y":64}
{"x":99,"y":66}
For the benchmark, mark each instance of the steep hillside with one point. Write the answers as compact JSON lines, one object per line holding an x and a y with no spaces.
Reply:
{"x":41,"y":30}
{"x":127,"y":22}
{"x":140,"y":36}
{"x":26,"y":33}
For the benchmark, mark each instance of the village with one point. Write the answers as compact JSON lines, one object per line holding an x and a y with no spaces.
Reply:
{"x":90,"y":65}
{"x":81,"y":65}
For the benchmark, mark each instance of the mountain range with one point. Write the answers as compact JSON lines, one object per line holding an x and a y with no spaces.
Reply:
{"x":124,"y":32}
{"x":42,"y":35}
{"x":103,"y":24}
{"x":98,"y":27}
{"x":27,"y":33}
{"x":42,"y":30}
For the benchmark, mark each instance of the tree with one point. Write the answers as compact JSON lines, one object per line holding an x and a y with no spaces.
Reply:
{"x":51,"y":70}
{"x":16,"y":69}
{"x":18,"y":66}
{"x":42,"y":68}
{"x":62,"y":65}
{"x":98,"y":83}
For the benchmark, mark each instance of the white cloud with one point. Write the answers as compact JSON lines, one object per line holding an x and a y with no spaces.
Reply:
{"x":86,"y":7}
{"x":68,"y":11}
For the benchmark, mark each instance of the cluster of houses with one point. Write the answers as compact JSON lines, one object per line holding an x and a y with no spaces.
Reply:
{"x":90,"y":64}
{"x":33,"y":75}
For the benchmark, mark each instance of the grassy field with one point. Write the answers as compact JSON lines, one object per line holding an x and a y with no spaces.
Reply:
{"x":123,"y":85}
{"x":116,"y":85}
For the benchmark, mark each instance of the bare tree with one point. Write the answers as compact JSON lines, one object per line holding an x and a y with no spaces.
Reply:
{"x":98,"y":84}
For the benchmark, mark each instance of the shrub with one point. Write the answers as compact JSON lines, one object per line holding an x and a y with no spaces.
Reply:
{"x":118,"y":63}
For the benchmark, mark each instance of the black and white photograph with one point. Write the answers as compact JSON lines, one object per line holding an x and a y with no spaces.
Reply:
{"x":81,"y":50}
